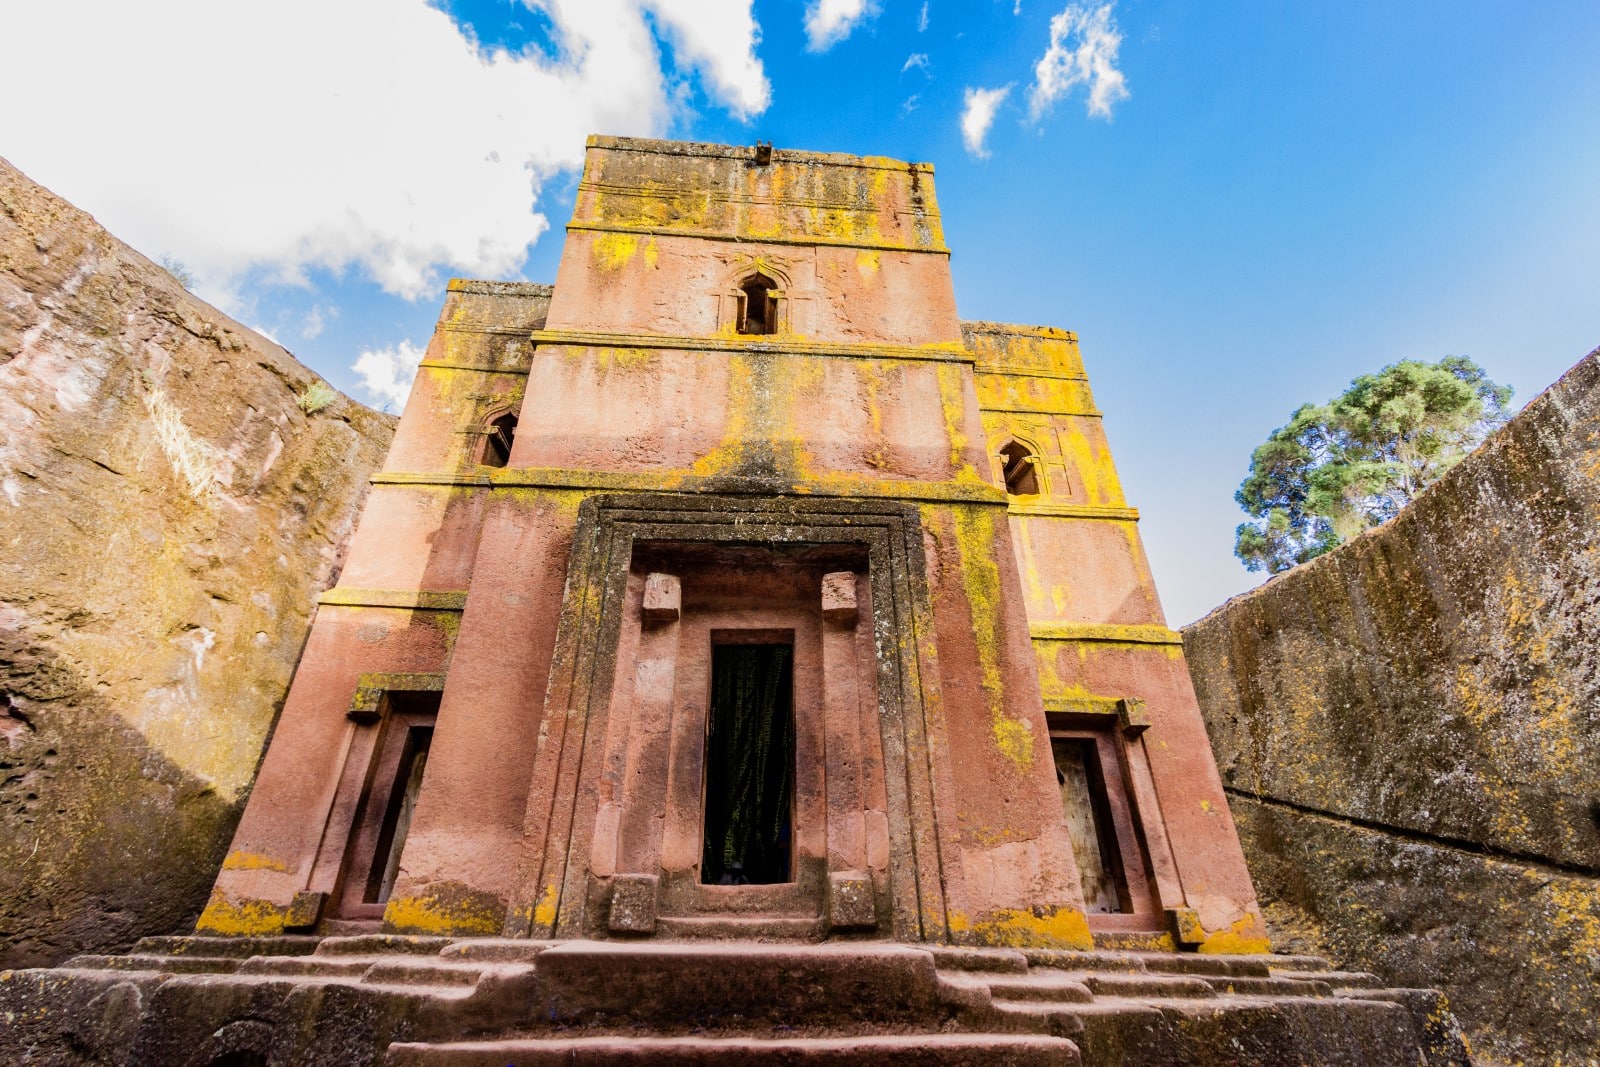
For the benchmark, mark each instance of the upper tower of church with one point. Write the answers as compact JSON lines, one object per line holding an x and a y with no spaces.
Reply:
{"x":702,"y":240}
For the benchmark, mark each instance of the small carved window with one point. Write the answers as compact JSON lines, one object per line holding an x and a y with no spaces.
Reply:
{"x":497,"y":440}
{"x":1018,"y":466}
{"x":758,"y":311}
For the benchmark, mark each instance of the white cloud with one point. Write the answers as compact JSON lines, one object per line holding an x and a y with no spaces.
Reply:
{"x":720,"y":38}
{"x":830,"y":21}
{"x":978,"y":116}
{"x":312,"y":326}
{"x":922,"y":18}
{"x":268,"y":334}
{"x":387,"y":373}
{"x":918,"y":60}
{"x":1083,"y":51}
{"x":366,"y":135}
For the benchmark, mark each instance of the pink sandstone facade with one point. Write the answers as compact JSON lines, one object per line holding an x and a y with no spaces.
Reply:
{"x":744,"y":445}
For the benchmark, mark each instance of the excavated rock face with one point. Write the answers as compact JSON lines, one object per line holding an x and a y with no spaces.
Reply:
{"x":168,"y":513}
{"x":1410,"y":731}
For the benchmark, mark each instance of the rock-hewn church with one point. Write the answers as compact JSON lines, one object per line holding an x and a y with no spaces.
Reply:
{"x":740,"y":655}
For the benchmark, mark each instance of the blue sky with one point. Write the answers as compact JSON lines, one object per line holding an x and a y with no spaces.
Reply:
{"x":1287,"y":195}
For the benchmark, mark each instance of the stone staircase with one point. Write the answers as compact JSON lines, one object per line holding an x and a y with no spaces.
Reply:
{"x":440,"y":1002}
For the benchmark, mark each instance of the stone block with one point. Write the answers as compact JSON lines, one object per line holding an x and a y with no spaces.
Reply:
{"x":663,"y":598}
{"x":1187,"y":930}
{"x":839,"y":598}
{"x":633,"y":896}
{"x":1132,"y":717}
{"x":850,"y":900}
{"x":304,"y":910}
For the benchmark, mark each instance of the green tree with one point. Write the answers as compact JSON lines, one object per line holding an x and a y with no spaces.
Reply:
{"x":1341,"y":467}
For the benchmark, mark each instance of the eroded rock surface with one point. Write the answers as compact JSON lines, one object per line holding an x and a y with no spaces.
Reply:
{"x":1410,"y":731}
{"x":168,"y":514}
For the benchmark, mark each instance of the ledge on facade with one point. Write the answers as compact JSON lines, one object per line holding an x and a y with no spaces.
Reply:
{"x":1118,"y":633}
{"x":414,"y":599}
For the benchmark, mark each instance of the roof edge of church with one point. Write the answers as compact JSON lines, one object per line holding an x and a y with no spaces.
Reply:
{"x":1014,"y":329}
{"x":725,"y":151}
{"x":498,"y":288}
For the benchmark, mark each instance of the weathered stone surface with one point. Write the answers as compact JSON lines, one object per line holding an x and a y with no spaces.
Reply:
{"x":1410,"y":730}
{"x":356,"y":1001}
{"x":168,"y":514}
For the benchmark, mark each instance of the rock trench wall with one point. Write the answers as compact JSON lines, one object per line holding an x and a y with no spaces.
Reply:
{"x":1409,"y":728}
{"x":168,"y":515}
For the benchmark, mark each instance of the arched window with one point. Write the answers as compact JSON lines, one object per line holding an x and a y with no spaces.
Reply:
{"x":497,"y":440}
{"x":1018,"y":463}
{"x":758,"y":311}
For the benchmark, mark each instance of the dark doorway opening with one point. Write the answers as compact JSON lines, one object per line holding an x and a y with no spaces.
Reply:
{"x":749,"y":800}
{"x":383,"y":816}
{"x":1086,"y":804}
{"x":397,"y":817}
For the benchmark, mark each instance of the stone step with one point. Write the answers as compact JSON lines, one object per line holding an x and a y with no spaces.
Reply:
{"x":1286,"y":961}
{"x":932,"y":1050}
{"x":422,"y":972}
{"x":1188,"y":963}
{"x":374,"y":944}
{"x":711,"y":982}
{"x":1026,"y":1017}
{"x":496,"y":949}
{"x":158,"y":964}
{"x":1335,"y":979}
{"x":1195,"y":964}
{"x":1276,"y":986}
{"x":740,"y":927}
{"x":1041,"y":986}
{"x":238,"y":947}
{"x":1004,"y":960}
{"x":1106,"y":983}
{"x":1241,"y":1031}
{"x":348,"y":967}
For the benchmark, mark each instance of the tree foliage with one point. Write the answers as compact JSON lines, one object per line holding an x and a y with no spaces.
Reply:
{"x":1341,"y":467}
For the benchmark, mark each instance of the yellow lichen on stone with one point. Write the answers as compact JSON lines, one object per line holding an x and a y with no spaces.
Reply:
{"x":1245,"y":937}
{"x":247,"y":918}
{"x":975,"y":537}
{"x":253,"y":861}
{"x":1059,"y":928}
{"x":1124,"y":942}
{"x":1014,"y":739}
{"x":613,"y":251}
{"x":434,"y":913}
{"x":544,"y":912}
{"x":1575,"y":913}
{"x":1094,"y":468}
